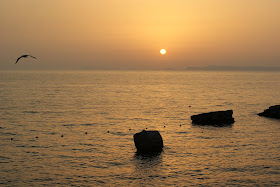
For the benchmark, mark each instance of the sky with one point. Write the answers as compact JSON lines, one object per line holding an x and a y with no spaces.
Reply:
{"x":128,"y":34}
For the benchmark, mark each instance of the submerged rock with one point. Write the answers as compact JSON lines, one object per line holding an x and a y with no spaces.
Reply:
{"x":148,"y":141}
{"x":217,"y":118}
{"x":271,"y":112}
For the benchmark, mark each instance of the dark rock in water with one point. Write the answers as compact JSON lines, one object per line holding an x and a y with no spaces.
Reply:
{"x":218,"y":118}
{"x":148,"y":141}
{"x":271,"y":112}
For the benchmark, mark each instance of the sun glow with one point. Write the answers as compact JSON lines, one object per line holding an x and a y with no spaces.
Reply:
{"x":162,"y":51}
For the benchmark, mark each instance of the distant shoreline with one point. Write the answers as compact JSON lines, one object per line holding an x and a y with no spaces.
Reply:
{"x":233,"y":68}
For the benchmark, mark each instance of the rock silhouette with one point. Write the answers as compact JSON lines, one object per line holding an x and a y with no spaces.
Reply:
{"x":271,"y":112}
{"x":217,"y":118}
{"x":148,"y":141}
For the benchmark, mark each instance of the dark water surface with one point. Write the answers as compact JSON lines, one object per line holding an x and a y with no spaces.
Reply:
{"x":84,"y":105}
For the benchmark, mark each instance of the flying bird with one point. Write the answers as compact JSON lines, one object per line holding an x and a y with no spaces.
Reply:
{"x":24,"y":56}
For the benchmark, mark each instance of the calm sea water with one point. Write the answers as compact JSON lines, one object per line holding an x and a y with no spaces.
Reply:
{"x":97,"y":112}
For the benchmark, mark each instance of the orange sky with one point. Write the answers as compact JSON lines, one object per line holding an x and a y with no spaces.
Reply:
{"x":125,"y":34}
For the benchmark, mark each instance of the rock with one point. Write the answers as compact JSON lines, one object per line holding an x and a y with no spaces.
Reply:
{"x":218,"y":118}
{"x":271,"y":112}
{"x":148,"y":141}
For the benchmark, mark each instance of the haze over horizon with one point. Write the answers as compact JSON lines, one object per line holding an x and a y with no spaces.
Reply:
{"x":110,"y":34}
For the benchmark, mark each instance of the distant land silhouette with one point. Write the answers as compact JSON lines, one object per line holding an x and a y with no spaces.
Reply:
{"x":233,"y":68}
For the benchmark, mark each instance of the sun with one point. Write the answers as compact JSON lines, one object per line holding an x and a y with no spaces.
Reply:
{"x":162,"y":51}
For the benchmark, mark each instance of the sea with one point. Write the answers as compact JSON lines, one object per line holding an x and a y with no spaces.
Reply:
{"x":75,"y":128}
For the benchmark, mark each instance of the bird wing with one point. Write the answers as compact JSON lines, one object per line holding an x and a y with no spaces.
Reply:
{"x":32,"y":56}
{"x":18,"y":59}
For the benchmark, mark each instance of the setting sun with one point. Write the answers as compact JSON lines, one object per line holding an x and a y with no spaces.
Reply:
{"x":162,"y":51}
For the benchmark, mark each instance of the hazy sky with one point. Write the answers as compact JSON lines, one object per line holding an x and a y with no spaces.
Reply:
{"x":128,"y":34}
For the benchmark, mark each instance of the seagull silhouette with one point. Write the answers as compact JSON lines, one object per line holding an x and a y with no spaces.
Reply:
{"x":24,"y":56}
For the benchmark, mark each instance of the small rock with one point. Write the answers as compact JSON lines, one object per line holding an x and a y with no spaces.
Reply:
{"x":148,"y":141}
{"x":218,"y":118}
{"x":271,"y":112}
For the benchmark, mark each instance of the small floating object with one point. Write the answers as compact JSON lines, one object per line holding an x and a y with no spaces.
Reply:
{"x":190,"y":106}
{"x":130,"y":129}
{"x":11,"y":138}
{"x":61,"y":135}
{"x":108,"y":131}
{"x":164,"y":126}
{"x":180,"y":125}
{"x":36,"y":136}
{"x":85,"y":132}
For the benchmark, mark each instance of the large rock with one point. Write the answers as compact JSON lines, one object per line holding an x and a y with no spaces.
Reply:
{"x":218,"y":118}
{"x":271,"y":112}
{"x":148,"y":141}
